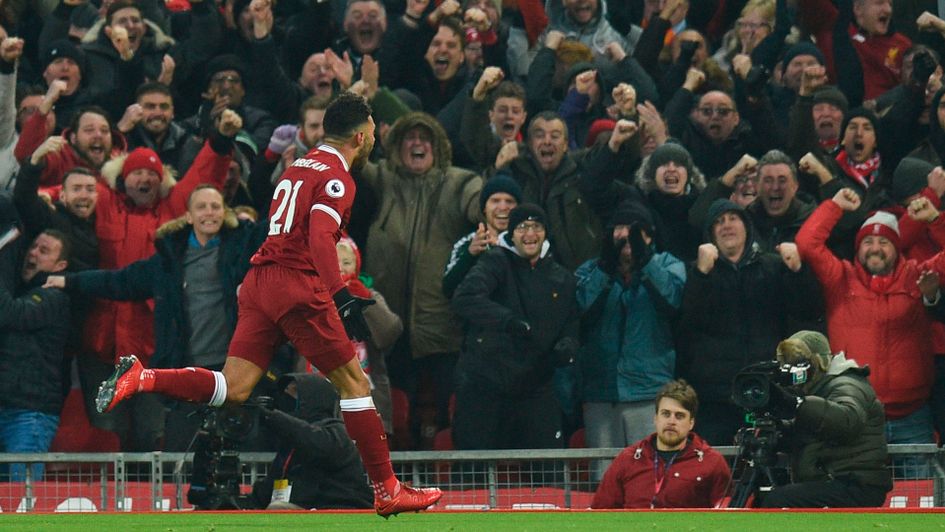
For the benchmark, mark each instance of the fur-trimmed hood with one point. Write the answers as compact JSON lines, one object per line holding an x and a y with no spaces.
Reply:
{"x":442,"y":150}
{"x":230,"y":221}
{"x":111,"y":174}
{"x":154,"y":36}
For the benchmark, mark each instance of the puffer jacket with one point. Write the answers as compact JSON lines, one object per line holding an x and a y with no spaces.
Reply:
{"x":126,"y":233}
{"x":629,"y":352}
{"x":503,"y":286}
{"x":409,"y":241}
{"x":698,"y":478}
{"x":886,"y":327}
{"x":840,"y":429}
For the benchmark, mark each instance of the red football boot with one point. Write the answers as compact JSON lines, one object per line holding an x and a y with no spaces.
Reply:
{"x":407,"y":500}
{"x":121,"y":385}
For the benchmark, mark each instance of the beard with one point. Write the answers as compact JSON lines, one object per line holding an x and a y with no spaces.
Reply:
{"x":361,"y":158}
{"x":671,"y":440}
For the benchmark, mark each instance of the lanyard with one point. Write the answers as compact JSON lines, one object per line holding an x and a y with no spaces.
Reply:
{"x":285,"y":466}
{"x":659,"y":479}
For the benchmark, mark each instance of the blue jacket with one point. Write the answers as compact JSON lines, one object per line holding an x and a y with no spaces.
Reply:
{"x":628,"y":352}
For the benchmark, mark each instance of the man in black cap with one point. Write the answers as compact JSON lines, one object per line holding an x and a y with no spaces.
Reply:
{"x":521,"y":324}
{"x":64,"y":61}
{"x":737,"y":305}
{"x":499,"y":196}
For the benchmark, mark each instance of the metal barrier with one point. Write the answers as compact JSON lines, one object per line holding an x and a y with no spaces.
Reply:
{"x":472,"y":480}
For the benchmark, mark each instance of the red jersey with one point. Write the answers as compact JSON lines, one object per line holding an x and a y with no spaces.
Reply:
{"x":311,"y":204}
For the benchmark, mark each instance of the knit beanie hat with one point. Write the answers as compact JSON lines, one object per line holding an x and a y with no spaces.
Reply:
{"x":802,"y":48}
{"x":63,"y":48}
{"x":832,"y":95}
{"x":881,"y":223}
{"x":860,"y":112}
{"x":633,"y":212}
{"x":527,"y":212}
{"x":717,"y":209}
{"x":910,"y":177}
{"x":224,"y":62}
{"x":499,"y":183}
{"x":817,"y":343}
{"x":669,"y":152}
{"x":142,"y":158}
{"x":597,"y":127}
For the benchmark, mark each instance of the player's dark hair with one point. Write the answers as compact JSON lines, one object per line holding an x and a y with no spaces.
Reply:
{"x":345,"y":115}
{"x":681,"y":391}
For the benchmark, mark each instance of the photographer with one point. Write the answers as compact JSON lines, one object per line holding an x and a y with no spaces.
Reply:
{"x":317,"y":465}
{"x":838,"y":444}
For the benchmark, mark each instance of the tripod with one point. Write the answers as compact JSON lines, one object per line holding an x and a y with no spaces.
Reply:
{"x":756,"y":464}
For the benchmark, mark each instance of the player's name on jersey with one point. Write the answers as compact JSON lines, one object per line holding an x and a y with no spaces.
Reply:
{"x":311,"y":163}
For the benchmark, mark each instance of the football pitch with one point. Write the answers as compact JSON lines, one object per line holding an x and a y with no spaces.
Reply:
{"x":488,"y":521}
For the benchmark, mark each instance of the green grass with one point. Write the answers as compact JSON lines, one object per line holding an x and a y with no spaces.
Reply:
{"x":479,"y":521}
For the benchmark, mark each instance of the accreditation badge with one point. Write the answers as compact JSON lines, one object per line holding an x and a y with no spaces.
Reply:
{"x":281,"y":490}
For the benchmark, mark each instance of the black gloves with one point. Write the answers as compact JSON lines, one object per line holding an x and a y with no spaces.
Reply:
{"x":350,"y":310}
{"x":564,"y":351}
{"x":784,"y":401}
{"x":610,"y":256}
{"x":518,"y":328}
{"x":642,"y":253}
{"x":923,"y":64}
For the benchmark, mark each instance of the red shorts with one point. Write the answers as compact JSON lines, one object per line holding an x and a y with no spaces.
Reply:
{"x":278,"y":303}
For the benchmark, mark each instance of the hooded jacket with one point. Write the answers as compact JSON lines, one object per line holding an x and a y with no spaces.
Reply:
{"x":736,"y":314}
{"x":161,"y":278}
{"x":503,"y":286}
{"x":698,"y":478}
{"x":418,"y":219}
{"x":126,"y":233}
{"x":315,"y":455}
{"x":596,"y":34}
{"x":840,"y":429}
{"x":114,"y":80}
{"x":883,"y":326}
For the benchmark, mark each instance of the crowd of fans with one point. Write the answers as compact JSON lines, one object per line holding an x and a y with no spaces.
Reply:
{"x":648,"y":163}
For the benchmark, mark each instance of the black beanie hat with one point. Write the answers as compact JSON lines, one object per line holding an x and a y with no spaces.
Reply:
{"x":717,"y":209}
{"x":832,"y":95}
{"x":499,"y":183}
{"x":63,"y":48}
{"x":860,"y":112}
{"x":669,"y":152}
{"x":630,"y":212}
{"x":802,"y":48}
{"x":224,"y":62}
{"x":910,"y":177}
{"x":526,"y":212}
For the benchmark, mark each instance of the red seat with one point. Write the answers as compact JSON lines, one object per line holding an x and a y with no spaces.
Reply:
{"x":400,"y":419}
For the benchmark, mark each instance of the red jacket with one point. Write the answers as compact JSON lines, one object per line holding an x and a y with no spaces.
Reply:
{"x":697,"y":478}
{"x":880,"y":55}
{"x":126,"y":234}
{"x":885,"y":327}
{"x":57,"y":163}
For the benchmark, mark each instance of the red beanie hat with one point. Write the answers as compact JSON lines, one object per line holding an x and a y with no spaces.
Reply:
{"x":142,"y":158}
{"x":882,"y":224}
{"x":597,"y":127}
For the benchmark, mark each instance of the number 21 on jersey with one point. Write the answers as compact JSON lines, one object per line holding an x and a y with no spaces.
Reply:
{"x":286,"y":193}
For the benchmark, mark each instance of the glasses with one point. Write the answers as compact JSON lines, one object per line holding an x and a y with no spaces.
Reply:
{"x":753,"y":26}
{"x":222,"y":78}
{"x":525,"y":227}
{"x":723,"y":112}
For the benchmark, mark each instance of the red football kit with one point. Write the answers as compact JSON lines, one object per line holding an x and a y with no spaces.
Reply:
{"x":287,"y":294}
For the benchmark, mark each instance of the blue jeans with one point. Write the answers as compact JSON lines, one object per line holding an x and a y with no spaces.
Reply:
{"x":26,"y":431}
{"x":914,"y":428}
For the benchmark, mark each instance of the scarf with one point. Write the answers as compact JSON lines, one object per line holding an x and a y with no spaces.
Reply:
{"x":863,"y":173}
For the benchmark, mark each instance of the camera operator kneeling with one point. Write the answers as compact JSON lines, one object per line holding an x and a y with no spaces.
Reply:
{"x":317,"y":464}
{"x":838,"y":445}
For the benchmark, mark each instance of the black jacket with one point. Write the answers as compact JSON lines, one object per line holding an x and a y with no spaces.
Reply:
{"x":161,"y":277}
{"x":503,"y":286}
{"x":840,"y":429}
{"x":315,"y":454}
{"x":37,"y":216}
{"x":34,"y":326}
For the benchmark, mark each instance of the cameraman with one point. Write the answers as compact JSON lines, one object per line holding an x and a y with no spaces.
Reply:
{"x":838,"y":445}
{"x":317,"y":465}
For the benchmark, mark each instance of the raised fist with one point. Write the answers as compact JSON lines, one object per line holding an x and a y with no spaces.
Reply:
{"x":789,"y":255}
{"x":708,"y":254}
{"x":490,"y":79}
{"x":230,"y":123}
{"x":847,"y":199}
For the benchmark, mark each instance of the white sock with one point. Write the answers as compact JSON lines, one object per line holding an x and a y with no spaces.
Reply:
{"x":219,"y":389}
